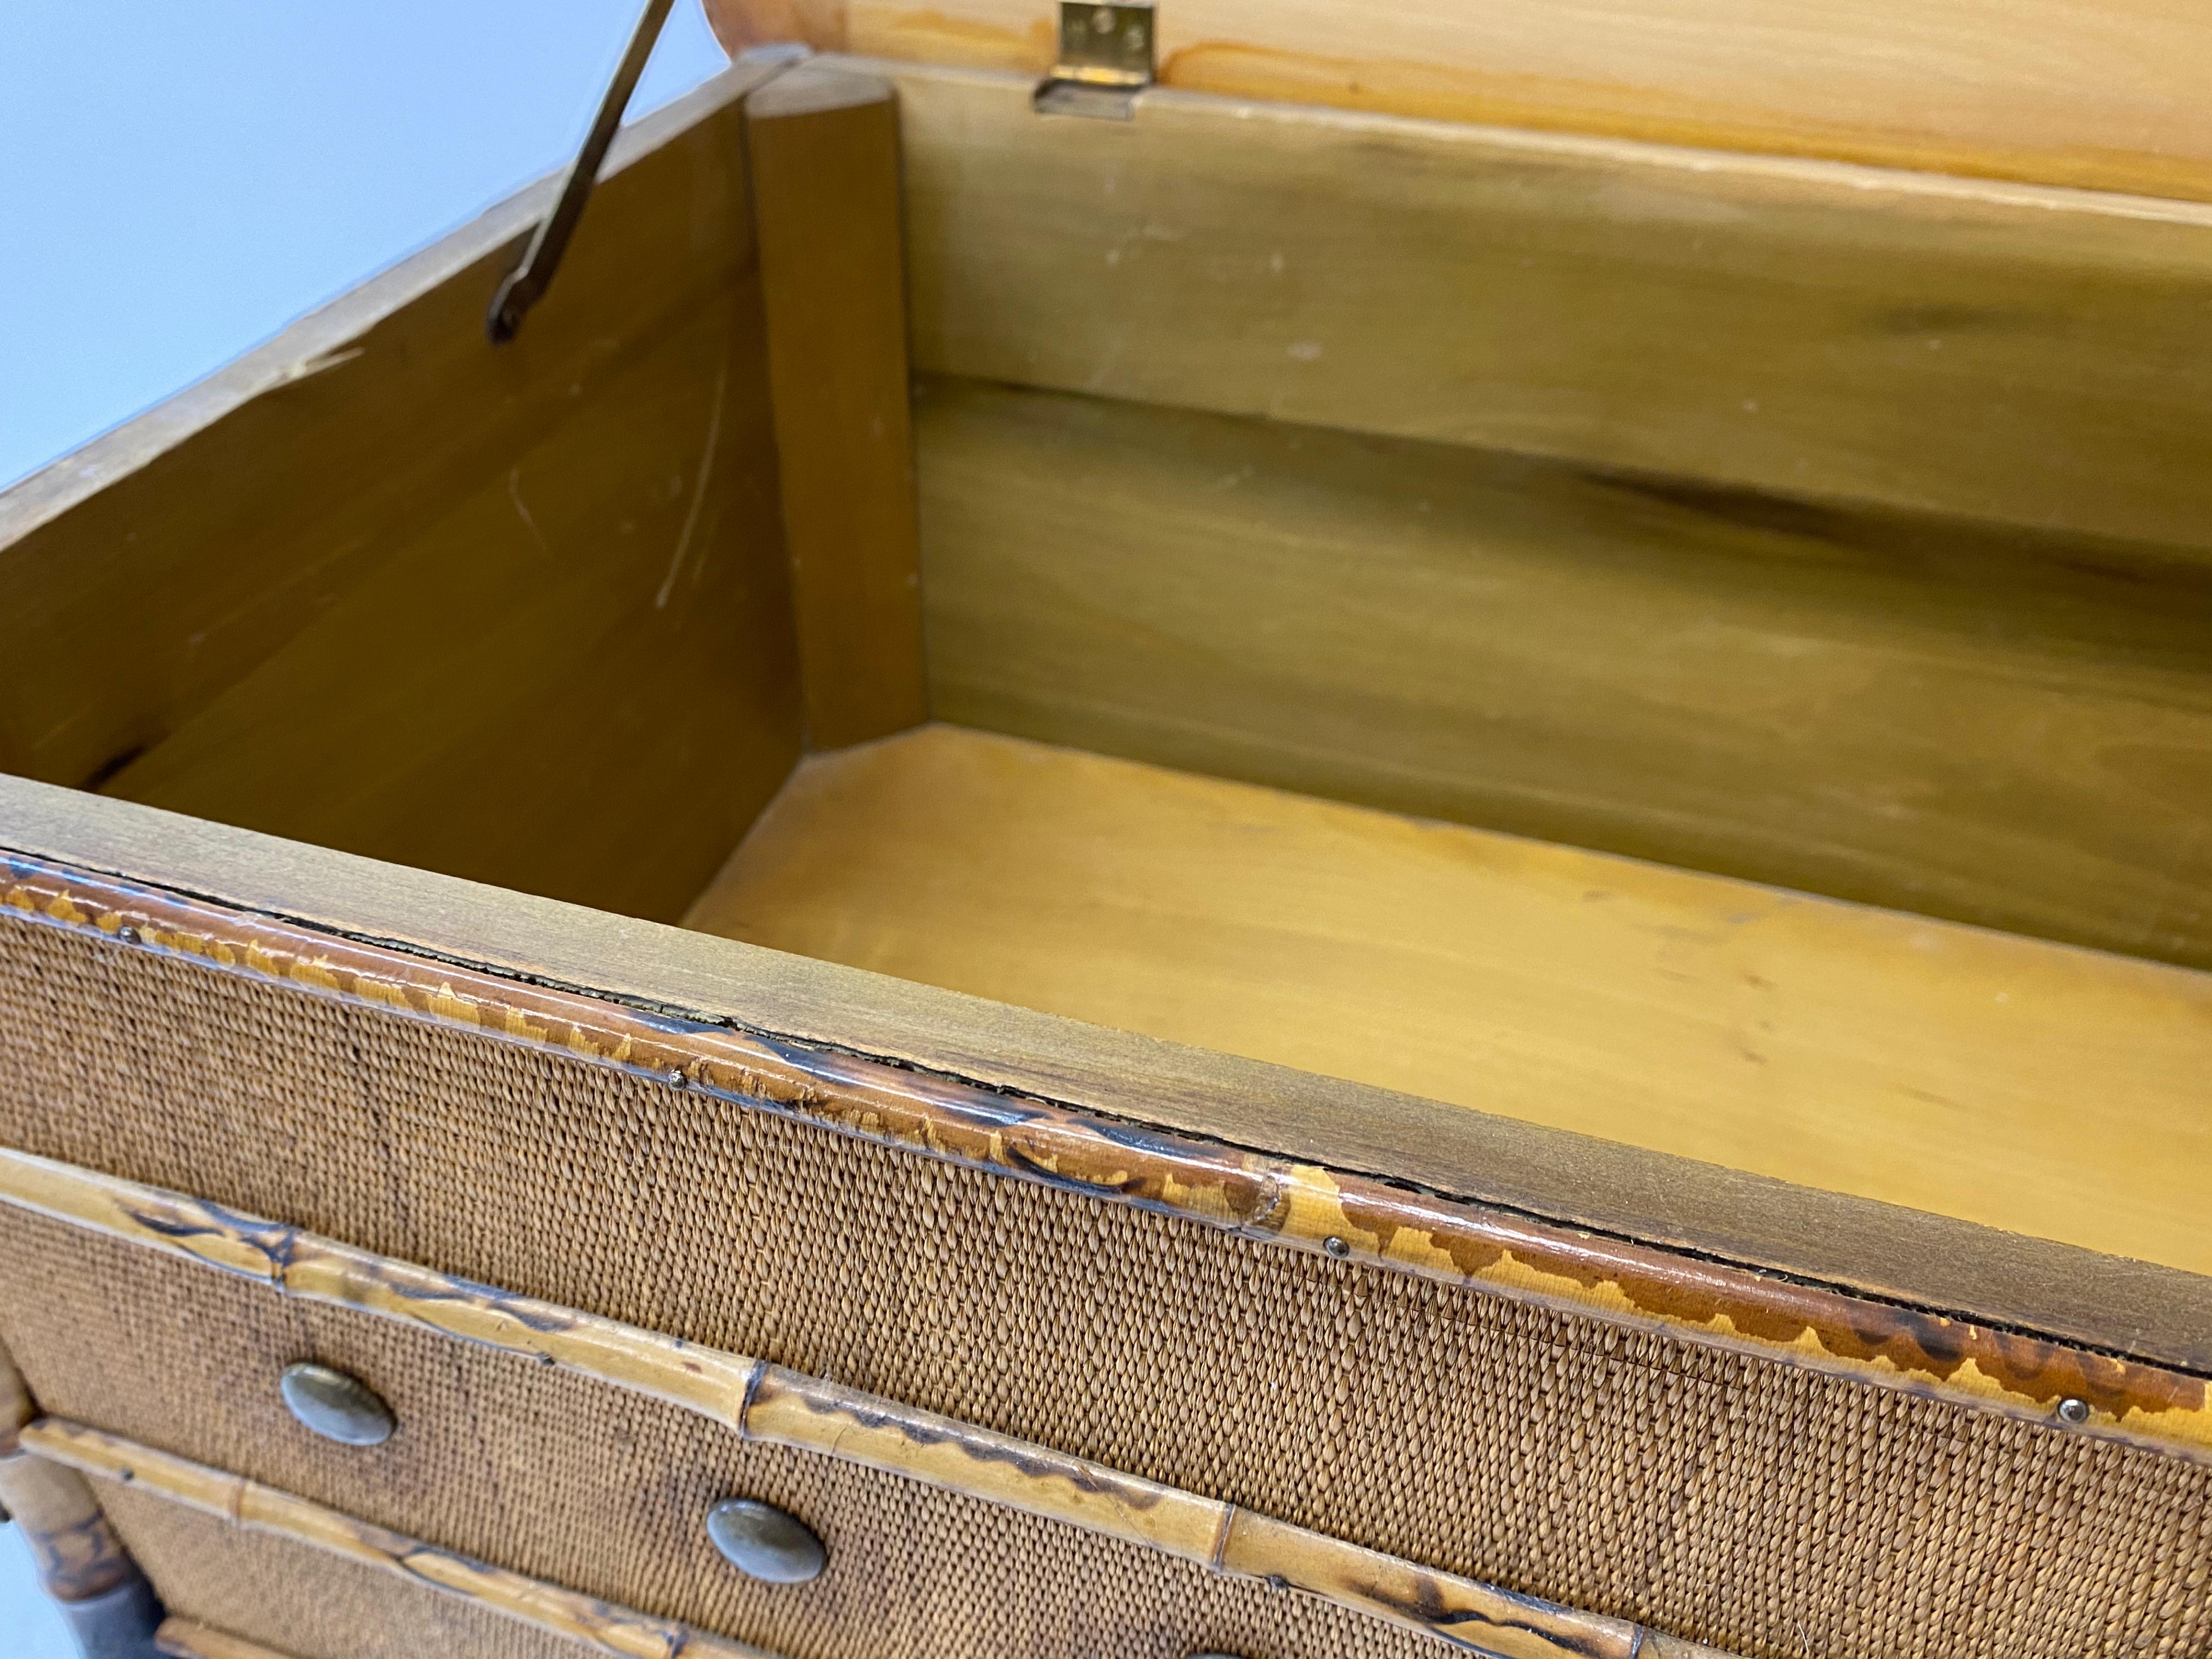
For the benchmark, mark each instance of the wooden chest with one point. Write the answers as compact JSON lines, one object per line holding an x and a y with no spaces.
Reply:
{"x":1220,"y":877}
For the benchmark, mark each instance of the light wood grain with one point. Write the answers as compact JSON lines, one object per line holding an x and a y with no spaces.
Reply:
{"x":2064,"y":91}
{"x":492,"y":611}
{"x":593,"y":1624}
{"x":1993,"y":728}
{"x":2033,"y":357}
{"x":825,"y":179}
{"x":1849,"y":1050}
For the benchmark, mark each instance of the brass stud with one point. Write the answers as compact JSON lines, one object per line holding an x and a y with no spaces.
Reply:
{"x":2073,"y":1411}
{"x":328,"y":1402}
{"x":763,"y":1542}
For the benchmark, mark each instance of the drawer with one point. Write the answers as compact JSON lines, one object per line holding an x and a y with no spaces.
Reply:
{"x":1259,"y":880}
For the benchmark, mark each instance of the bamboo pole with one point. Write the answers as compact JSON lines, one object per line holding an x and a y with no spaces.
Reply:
{"x":760,"y":1402}
{"x":1350,"y":1218}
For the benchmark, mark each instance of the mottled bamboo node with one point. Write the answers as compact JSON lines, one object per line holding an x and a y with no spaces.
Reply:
{"x":1359,"y":1221}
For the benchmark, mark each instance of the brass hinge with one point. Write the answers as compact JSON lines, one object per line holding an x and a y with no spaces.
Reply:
{"x":1106,"y":56}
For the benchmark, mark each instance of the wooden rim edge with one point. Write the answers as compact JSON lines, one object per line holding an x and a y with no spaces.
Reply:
{"x":760,"y":1402}
{"x":1354,"y":1220}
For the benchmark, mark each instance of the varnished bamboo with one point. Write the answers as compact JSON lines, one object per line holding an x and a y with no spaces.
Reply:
{"x":257,"y":1508}
{"x":1352,"y":1217}
{"x":186,"y":1639}
{"x":74,"y":1550}
{"x":759,"y":1401}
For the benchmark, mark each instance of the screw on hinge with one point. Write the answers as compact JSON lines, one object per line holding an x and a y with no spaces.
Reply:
{"x":1106,"y":58}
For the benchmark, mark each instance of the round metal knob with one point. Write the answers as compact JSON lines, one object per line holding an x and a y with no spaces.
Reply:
{"x":761,"y":1541}
{"x":328,"y":1402}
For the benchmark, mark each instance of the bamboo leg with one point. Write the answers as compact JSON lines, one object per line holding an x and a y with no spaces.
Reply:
{"x":104,"y":1599}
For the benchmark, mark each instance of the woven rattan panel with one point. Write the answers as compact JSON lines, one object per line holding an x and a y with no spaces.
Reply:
{"x":1759,"y":1507}
{"x":303,"y":1602}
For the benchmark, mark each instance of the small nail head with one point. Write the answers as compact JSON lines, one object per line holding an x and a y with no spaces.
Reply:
{"x":1336,"y":1247}
{"x":1275,"y":1581}
{"x":2074,"y":1410}
{"x":677,"y":1079}
{"x":127,"y":933}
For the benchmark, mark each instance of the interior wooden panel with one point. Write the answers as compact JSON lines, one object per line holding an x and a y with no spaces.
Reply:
{"x":2028,"y":355}
{"x":2070,"y":92}
{"x":579,"y":680}
{"x":2024,"y":1085}
{"x":518,"y":613}
{"x":1982,"y":725}
{"x":825,"y":171}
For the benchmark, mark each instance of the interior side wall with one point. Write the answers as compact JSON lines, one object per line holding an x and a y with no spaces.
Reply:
{"x":1859,"y":547}
{"x":2030,"y":357}
{"x":1964,"y":722}
{"x":518,"y":613}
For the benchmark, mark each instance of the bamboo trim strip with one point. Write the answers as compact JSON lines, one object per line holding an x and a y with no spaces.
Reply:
{"x":761,"y":1402}
{"x":185,"y":1638}
{"x":1350,"y":1217}
{"x":249,"y":1504}
{"x":74,"y":1550}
